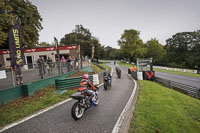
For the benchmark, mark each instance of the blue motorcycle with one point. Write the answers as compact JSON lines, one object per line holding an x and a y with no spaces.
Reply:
{"x":84,"y":102}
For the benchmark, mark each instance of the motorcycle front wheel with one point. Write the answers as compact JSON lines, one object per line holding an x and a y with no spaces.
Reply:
{"x":96,"y":101}
{"x":77,"y":111}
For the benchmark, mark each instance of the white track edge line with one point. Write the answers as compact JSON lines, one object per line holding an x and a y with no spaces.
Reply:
{"x":122,"y":115}
{"x":36,"y":114}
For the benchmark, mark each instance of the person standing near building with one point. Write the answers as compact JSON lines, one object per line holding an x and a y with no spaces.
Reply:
{"x":18,"y":73}
{"x":39,"y":65}
{"x":58,"y":65}
{"x":76,"y":62}
{"x":43,"y":65}
{"x":72,"y":62}
{"x":49,"y":65}
{"x":69,"y":64}
{"x":62,"y":63}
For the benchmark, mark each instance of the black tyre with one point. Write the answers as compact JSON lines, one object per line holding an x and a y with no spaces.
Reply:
{"x":119,"y":75}
{"x":77,"y":111}
{"x":105,"y":85}
{"x":110,"y":82}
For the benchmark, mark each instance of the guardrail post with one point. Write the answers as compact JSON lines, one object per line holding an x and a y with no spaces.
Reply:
{"x":169,"y":83}
{"x":199,"y":94}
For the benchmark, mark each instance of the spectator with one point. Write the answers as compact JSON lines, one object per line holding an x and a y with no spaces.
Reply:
{"x":62,"y":63}
{"x":39,"y":65}
{"x":18,"y":73}
{"x":69,"y":64}
{"x":58,"y":64}
{"x":49,"y":65}
{"x":76,"y":62}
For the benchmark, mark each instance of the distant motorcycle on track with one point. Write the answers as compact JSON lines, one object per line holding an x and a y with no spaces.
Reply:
{"x":118,"y":71}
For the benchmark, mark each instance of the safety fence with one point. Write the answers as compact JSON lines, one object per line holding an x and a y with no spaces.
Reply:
{"x":186,"y":89}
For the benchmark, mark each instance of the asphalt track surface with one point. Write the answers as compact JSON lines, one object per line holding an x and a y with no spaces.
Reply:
{"x":99,"y":119}
{"x":188,"y":80}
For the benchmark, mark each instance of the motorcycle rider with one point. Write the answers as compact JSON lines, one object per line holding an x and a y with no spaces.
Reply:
{"x":117,"y":68}
{"x":107,"y":74}
{"x":87,"y":87}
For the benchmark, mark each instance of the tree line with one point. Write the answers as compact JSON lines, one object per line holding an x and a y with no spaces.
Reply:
{"x":181,"y":50}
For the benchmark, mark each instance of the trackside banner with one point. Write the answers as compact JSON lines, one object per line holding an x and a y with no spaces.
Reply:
{"x":15,"y":45}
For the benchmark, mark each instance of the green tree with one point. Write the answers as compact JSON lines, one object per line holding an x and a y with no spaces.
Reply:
{"x":155,"y":50}
{"x":108,"y":51}
{"x":131,"y":45}
{"x":82,"y":37}
{"x":19,"y":12}
{"x":44,"y":44}
{"x":181,"y":49}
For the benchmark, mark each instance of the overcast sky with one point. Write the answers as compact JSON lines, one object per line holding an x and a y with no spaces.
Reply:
{"x":107,"y":19}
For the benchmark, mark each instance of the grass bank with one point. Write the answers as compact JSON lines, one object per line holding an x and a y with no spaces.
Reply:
{"x":159,"y":109}
{"x":25,"y":106}
{"x":106,"y":67}
{"x":121,"y":63}
{"x":175,"y":72}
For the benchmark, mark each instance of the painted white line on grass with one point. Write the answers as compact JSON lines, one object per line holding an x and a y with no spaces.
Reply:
{"x":122,"y":115}
{"x":36,"y":114}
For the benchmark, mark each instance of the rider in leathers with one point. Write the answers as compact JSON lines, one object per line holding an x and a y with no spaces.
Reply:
{"x":87,"y":87}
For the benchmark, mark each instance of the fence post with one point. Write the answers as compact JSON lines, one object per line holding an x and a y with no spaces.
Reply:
{"x":169,"y":83}
{"x":199,"y":94}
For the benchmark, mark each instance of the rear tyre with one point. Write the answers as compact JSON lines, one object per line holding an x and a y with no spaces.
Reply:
{"x":105,"y":85}
{"x":77,"y":111}
{"x":119,"y":75}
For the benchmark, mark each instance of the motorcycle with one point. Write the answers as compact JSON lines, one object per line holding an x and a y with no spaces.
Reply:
{"x":118,"y":72}
{"x":84,"y":102}
{"x":107,"y":82}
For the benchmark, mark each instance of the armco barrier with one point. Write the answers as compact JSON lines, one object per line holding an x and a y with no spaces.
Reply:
{"x":189,"y":90}
{"x":28,"y":89}
{"x":65,"y":83}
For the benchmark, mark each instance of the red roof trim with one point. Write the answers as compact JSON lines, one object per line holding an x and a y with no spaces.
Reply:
{"x":42,"y":49}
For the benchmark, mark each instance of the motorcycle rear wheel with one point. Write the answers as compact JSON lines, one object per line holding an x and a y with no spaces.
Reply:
{"x":119,"y":75}
{"x":77,"y":111}
{"x":105,"y":85}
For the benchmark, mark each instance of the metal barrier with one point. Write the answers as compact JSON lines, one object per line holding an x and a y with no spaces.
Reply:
{"x":186,"y":89}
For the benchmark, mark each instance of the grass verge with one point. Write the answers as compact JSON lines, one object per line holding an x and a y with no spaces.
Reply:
{"x":175,"y":72}
{"x":96,"y":69}
{"x":122,"y":63}
{"x":159,"y":109}
{"x":106,"y":67}
{"x":25,"y":106}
